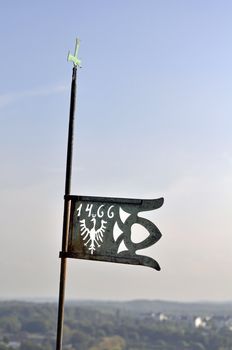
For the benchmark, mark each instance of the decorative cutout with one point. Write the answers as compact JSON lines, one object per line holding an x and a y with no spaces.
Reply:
{"x":122,"y":247}
{"x":116,"y":231}
{"x":101,"y":229}
{"x":123,"y":215}
{"x":138,"y":233}
{"x":92,"y":235}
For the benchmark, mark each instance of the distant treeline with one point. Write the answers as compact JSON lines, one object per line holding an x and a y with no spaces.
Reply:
{"x":138,"y":325}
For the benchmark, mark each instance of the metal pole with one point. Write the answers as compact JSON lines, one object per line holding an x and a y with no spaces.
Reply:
{"x":60,"y":320}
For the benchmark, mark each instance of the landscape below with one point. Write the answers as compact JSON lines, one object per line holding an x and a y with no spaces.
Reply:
{"x":134,"y":325}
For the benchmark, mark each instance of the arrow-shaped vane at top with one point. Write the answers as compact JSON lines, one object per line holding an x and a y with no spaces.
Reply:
{"x":74,"y":58}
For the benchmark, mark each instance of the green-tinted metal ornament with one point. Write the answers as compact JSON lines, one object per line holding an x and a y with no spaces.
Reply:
{"x":73,"y":58}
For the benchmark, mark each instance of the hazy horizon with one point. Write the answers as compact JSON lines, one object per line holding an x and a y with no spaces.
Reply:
{"x":83,"y":300}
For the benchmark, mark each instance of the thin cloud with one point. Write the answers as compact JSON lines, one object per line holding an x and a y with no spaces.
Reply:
{"x":7,"y":99}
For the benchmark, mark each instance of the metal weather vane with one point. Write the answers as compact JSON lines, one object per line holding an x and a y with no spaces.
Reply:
{"x":100,"y":228}
{"x":73,"y":58}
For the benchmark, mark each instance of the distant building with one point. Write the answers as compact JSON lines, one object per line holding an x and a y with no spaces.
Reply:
{"x":13,"y":344}
{"x":200,"y":322}
{"x":229,"y":323}
{"x":163,"y":317}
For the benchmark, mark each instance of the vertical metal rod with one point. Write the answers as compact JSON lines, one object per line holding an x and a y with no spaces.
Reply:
{"x":60,"y":320}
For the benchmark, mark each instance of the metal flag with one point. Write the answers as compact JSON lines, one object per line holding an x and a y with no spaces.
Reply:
{"x":97,"y":228}
{"x":101,"y":229}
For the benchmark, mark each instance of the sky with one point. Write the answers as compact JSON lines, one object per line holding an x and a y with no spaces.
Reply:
{"x":153,"y":119}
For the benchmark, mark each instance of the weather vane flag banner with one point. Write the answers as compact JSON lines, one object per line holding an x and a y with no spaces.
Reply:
{"x":101,"y":229}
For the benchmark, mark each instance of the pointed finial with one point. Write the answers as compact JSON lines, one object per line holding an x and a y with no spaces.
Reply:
{"x":74,"y":58}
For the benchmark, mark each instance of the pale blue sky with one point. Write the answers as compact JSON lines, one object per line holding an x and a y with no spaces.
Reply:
{"x":153,"y":119}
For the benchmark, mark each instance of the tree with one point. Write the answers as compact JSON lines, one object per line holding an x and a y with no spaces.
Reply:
{"x":110,"y":343}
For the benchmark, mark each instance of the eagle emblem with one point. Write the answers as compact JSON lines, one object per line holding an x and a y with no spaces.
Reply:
{"x":92,"y":237}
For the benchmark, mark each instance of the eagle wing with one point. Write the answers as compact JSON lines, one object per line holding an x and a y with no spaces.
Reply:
{"x":84,"y":229}
{"x":101,"y":230}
